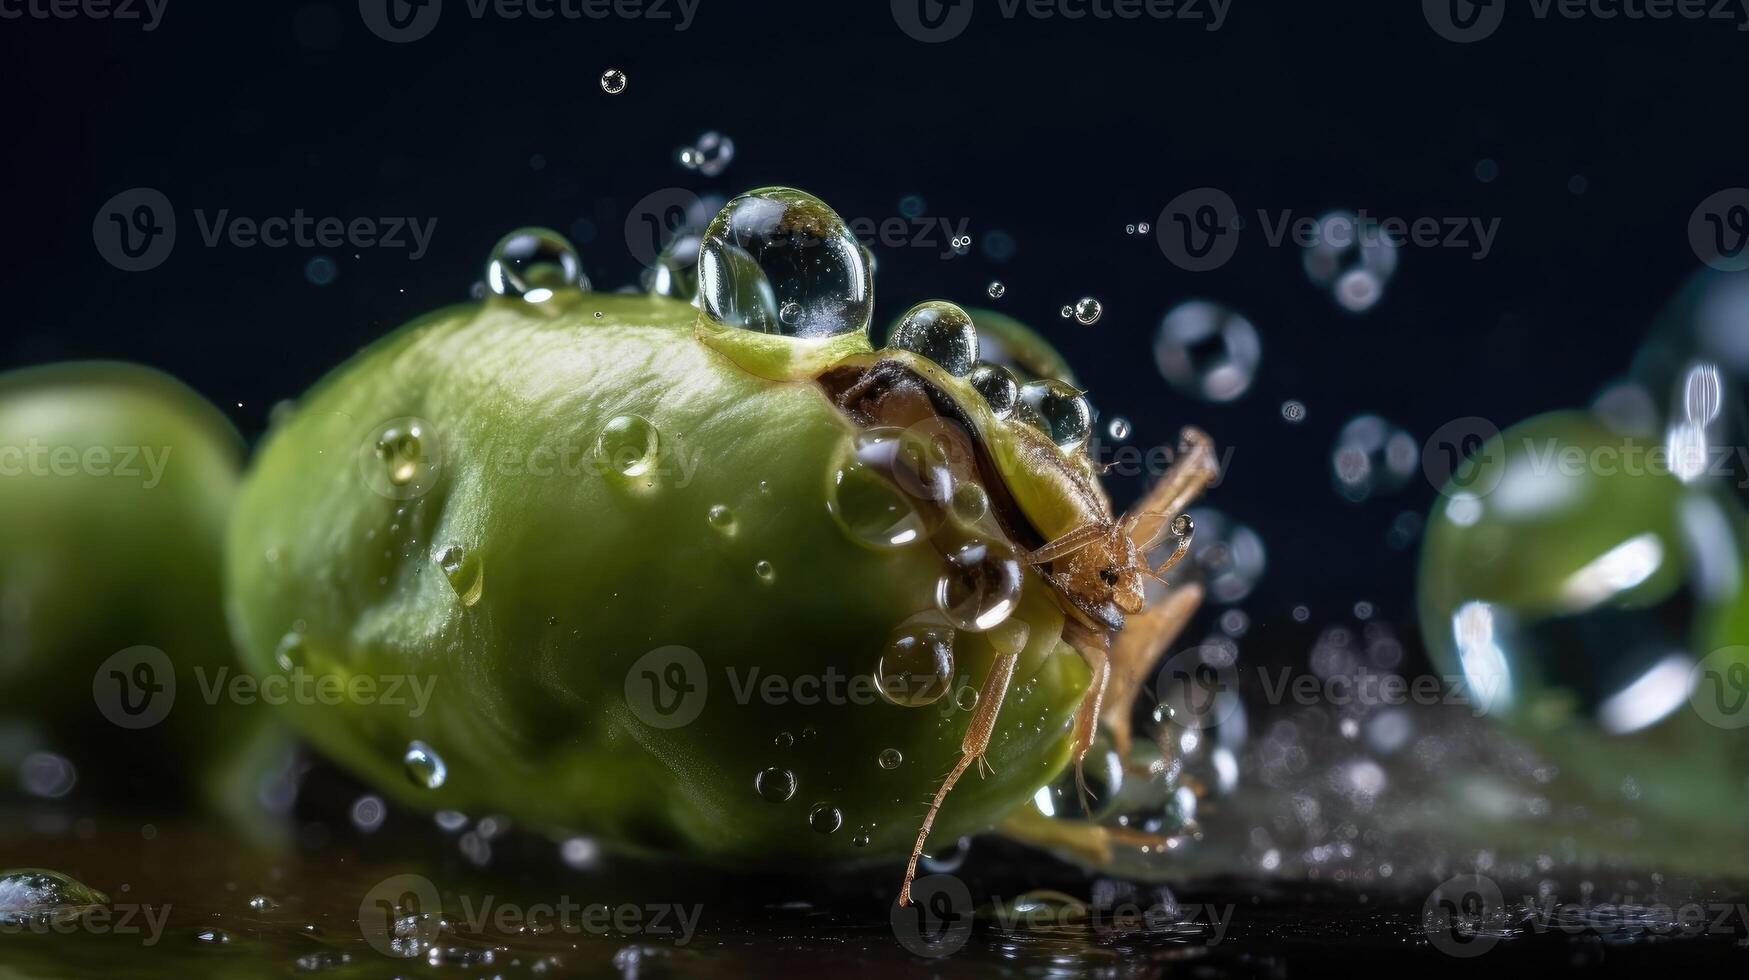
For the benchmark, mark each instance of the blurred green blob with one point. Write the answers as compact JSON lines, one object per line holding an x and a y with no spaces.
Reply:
{"x":1569,"y":587}
{"x":116,"y":482}
{"x":610,"y":546}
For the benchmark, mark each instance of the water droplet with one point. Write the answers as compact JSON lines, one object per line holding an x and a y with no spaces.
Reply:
{"x":941,"y":332}
{"x":49,"y":897}
{"x":891,"y":758}
{"x":291,"y":652}
{"x":1067,"y":312}
{"x":970,"y":503}
{"x":996,"y":290}
{"x":1229,"y":556}
{"x":967,"y":698}
{"x":825,"y":818}
{"x":534,"y":264}
{"x":1353,"y":257}
{"x":710,"y":154}
{"x":424,"y":766}
{"x":401,"y":449}
{"x":1119,"y":428}
{"x":1373,"y":457}
{"x":980,"y":587}
{"x":916,"y":666}
{"x":1293,"y":410}
{"x":784,"y":740}
{"x":871,"y":508}
{"x":778,"y":260}
{"x":261,"y":903}
{"x":613,"y":81}
{"x":675,"y":274}
{"x":775,"y":784}
{"x":766,"y":573}
{"x":465,"y":571}
{"x":1207,"y":351}
{"x":1057,"y":409}
{"x":628,"y":445}
{"x":1001,"y":390}
{"x":1087,"y":311}
{"x":861,"y":839}
{"x":721,"y":518}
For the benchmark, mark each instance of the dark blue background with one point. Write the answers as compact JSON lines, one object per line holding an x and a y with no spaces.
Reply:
{"x":1057,"y":133}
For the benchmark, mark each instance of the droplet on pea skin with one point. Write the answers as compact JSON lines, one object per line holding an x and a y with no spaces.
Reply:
{"x":981,"y":586}
{"x":628,"y":445}
{"x":940,"y":332}
{"x":424,"y":766}
{"x":999,"y":386}
{"x":1057,"y":409}
{"x":779,"y":260}
{"x":533,"y":264}
{"x":465,"y":571}
{"x":916,"y":667}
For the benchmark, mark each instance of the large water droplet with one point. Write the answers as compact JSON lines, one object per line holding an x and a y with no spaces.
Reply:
{"x":1056,"y":408}
{"x":999,"y":386}
{"x":675,"y":274}
{"x":871,"y":508}
{"x":424,"y":766}
{"x":775,"y":784}
{"x":465,"y":571}
{"x":916,"y":667}
{"x":1207,"y":351}
{"x":778,"y":249}
{"x":825,"y":818}
{"x":1087,"y":311}
{"x":980,"y":587}
{"x":534,"y":264}
{"x":941,"y":332}
{"x":33,"y":895}
{"x":628,"y":445}
{"x":721,"y":518}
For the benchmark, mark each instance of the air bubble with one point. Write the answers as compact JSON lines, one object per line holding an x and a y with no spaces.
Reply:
{"x":710,"y":154}
{"x":941,"y":332}
{"x":825,"y":818}
{"x":998,"y":385}
{"x":1087,"y":311}
{"x":721,"y":518}
{"x":890,"y":758}
{"x":628,"y":445}
{"x":775,"y":785}
{"x":778,"y":260}
{"x":1057,"y":409}
{"x":996,"y":290}
{"x":980,"y":587}
{"x":613,"y":81}
{"x":424,"y":766}
{"x":465,"y":572}
{"x":764,"y":571}
{"x":534,"y":264}
{"x":916,"y":666}
{"x":1207,"y":351}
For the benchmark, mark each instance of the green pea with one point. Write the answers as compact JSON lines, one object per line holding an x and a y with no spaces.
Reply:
{"x":115,"y":486}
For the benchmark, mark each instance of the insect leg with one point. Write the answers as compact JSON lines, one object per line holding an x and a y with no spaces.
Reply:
{"x":1087,"y":715}
{"x":1137,"y":649}
{"x":1195,"y":468}
{"x":977,"y":739}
